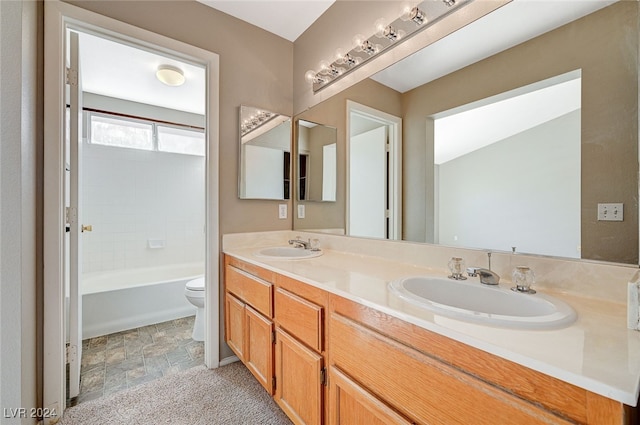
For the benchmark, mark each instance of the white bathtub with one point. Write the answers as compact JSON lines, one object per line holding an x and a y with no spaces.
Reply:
{"x":118,"y":300}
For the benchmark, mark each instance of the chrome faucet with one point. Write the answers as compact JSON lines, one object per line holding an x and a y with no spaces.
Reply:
{"x":299,"y":243}
{"x":487,"y":276}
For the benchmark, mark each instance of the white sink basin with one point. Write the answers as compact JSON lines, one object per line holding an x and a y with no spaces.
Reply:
{"x":492,"y":305}
{"x":286,"y":253}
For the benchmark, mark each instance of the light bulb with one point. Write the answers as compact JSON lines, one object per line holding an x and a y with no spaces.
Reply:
{"x":324,"y":66}
{"x":358,"y":39}
{"x":405,"y":10}
{"x":380,"y":25}
{"x":339,"y":56}
{"x":310,"y":76}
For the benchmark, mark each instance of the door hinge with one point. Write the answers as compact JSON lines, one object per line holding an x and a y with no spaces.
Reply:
{"x":71,"y":215}
{"x":71,"y":354}
{"x":387,"y":147}
{"x":323,"y":376}
{"x":387,"y":213}
{"x":71,"y":77}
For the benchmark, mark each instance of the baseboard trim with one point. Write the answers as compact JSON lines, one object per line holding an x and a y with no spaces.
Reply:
{"x":229,"y":360}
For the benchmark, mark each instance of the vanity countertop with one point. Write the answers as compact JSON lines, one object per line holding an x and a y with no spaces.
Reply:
{"x":597,"y":352}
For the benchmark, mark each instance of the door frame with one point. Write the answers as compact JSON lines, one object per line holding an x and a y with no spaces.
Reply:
{"x":59,"y":16}
{"x":394,"y":127}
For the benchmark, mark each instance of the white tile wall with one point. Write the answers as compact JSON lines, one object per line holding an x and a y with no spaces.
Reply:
{"x":130,"y":196}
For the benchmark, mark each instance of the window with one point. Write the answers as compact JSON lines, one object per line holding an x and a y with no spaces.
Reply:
{"x":112,"y":130}
{"x":180,"y":140}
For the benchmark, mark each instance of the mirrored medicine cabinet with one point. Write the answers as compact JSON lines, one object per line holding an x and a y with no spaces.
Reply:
{"x":264,"y":170}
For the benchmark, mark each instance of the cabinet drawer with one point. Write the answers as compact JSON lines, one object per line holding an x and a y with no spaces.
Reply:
{"x":252,"y":269}
{"x":250,"y":289}
{"x":299,"y":317}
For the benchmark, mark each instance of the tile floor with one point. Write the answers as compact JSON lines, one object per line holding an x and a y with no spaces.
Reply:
{"x":114,"y":362}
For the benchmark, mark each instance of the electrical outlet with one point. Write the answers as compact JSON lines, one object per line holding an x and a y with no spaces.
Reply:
{"x":610,"y":212}
{"x":282,"y":211}
{"x":301,"y":211}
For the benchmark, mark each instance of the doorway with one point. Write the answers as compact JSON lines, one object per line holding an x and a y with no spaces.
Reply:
{"x":374,"y":173}
{"x":60,"y":19}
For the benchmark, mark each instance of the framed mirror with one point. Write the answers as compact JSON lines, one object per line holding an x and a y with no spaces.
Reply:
{"x":602,"y":48}
{"x":264,"y":171}
{"x":317,"y":162}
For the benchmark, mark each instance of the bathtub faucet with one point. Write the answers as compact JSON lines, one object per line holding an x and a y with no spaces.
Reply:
{"x":299,"y":243}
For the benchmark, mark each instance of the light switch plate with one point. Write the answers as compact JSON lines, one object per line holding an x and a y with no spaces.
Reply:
{"x":282,"y":211}
{"x":610,"y":212}
{"x":301,"y":211}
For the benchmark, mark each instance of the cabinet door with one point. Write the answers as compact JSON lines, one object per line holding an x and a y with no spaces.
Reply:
{"x":350,"y":404}
{"x":299,"y":390}
{"x":258,"y":353}
{"x":234,"y":324}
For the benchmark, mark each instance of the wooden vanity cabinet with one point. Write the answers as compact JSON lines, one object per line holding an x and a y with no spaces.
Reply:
{"x":384,"y":368}
{"x":329,"y":360}
{"x":249,"y":330}
{"x":300,"y":355}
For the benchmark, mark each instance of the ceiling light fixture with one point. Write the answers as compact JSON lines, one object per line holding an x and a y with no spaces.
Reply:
{"x":170,"y":75}
{"x":412,"y":20}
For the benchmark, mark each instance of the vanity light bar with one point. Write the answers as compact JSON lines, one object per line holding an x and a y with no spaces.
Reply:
{"x":255,"y":121}
{"x":414,"y":20}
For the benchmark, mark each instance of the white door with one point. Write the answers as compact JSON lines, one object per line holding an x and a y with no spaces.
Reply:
{"x":368,"y":184}
{"x":74,"y":216}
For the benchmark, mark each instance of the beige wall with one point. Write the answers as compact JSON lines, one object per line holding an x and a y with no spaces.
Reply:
{"x":333,"y":112}
{"x":605,"y":46}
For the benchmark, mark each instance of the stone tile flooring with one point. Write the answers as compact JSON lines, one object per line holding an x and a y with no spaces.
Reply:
{"x":114,"y":362}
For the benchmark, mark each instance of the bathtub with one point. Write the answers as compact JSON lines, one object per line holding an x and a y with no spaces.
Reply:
{"x":118,"y":300}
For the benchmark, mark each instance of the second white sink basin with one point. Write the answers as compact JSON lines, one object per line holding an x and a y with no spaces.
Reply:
{"x":492,"y":305}
{"x":286,"y":253}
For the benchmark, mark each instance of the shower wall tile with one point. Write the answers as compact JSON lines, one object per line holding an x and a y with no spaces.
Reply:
{"x":130,"y":196}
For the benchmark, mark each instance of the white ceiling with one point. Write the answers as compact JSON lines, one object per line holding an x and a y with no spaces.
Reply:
{"x":494,"y":120}
{"x":286,"y":18}
{"x":118,"y":70}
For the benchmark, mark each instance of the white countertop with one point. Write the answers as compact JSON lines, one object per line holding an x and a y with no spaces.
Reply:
{"x":597,"y":352}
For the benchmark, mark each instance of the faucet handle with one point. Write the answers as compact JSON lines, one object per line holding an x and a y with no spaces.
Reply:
{"x":473,"y":271}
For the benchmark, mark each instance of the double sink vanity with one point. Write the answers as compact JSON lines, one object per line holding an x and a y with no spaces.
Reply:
{"x":372,"y":332}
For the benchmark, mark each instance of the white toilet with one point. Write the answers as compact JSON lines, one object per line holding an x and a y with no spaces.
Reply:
{"x":194,"y":291}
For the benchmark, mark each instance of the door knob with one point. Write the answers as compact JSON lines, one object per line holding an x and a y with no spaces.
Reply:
{"x":87,"y":227}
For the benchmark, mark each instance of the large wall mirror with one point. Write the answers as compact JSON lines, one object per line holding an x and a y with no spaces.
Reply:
{"x":533,"y":176}
{"x":265,"y":154}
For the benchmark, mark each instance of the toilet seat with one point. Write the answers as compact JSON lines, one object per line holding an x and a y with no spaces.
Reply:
{"x":196,"y":284}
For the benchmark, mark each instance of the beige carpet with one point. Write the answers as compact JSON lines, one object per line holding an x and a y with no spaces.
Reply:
{"x":227,"y":395}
